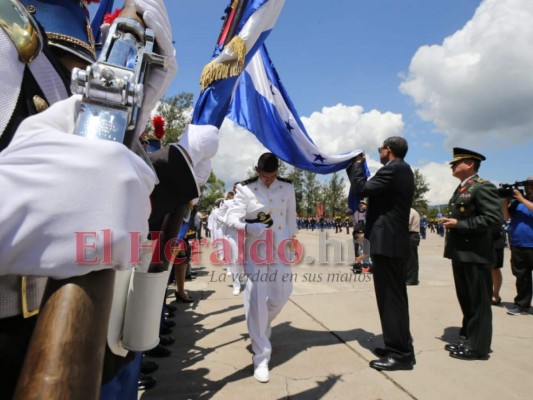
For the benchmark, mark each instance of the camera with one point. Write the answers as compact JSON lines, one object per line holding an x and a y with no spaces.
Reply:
{"x":506,"y":190}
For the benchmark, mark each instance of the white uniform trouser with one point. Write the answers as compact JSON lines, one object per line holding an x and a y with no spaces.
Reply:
{"x":268,"y":288}
{"x":233,"y":265}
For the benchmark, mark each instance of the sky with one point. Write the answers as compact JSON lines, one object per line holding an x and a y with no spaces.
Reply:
{"x":441,"y":73}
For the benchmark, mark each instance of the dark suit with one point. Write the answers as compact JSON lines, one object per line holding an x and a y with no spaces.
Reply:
{"x":470,"y":246}
{"x":390,"y":195}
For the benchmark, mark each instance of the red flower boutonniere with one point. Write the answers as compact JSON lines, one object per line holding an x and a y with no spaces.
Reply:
{"x":159,"y":126}
{"x":110,"y":17}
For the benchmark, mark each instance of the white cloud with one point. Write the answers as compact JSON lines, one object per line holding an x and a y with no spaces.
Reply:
{"x":238,"y":151}
{"x":334,"y":130}
{"x":441,"y":182}
{"x":343,"y":128}
{"x":477,"y":86}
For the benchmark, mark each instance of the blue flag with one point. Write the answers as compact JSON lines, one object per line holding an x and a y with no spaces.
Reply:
{"x":219,"y":77}
{"x":261,"y":105}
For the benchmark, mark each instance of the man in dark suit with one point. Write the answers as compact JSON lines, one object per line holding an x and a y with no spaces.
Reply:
{"x":475,"y":209}
{"x":390,"y":195}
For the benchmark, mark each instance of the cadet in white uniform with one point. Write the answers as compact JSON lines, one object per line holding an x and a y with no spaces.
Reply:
{"x":231,"y":251}
{"x":265,"y":207}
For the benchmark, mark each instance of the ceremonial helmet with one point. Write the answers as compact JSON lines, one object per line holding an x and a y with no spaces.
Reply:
{"x":67,"y":25}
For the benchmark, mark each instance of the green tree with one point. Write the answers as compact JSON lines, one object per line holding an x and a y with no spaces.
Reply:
{"x":212,"y":190}
{"x":311,"y":192}
{"x":296,"y":176}
{"x":421,"y":188}
{"x":334,"y":199}
{"x":177,"y":111}
{"x":283,"y":170}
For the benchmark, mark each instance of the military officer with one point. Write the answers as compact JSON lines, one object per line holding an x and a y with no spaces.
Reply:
{"x":263,"y":201}
{"x":474,"y":210}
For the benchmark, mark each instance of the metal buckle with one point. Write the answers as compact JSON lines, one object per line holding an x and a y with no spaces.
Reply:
{"x":25,"y":312}
{"x":21,"y":29}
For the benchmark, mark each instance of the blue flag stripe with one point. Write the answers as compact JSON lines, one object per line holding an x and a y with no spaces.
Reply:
{"x":261,"y":105}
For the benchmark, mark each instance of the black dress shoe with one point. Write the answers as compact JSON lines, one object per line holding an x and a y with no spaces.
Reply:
{"x":411,"y":283}
{"x":169,"y":323}
{"x":467,"y":354}
{"x":381,"y":352}
{"x":391,"y":364}
{"x":166,"y":341}
{"x":158,"y":351}
{"x":145,"y":382}
{"x":170,"y":308}
{"x":165,"y":330}
{"x":453,"y":346}
{"x":147,"y":367}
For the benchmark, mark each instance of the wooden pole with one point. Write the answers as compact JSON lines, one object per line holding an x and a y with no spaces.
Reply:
{"x":66,"y":352}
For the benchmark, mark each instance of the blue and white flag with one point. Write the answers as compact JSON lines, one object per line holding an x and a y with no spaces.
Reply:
{"x":261,"y":105}
{"x":253,"y":24}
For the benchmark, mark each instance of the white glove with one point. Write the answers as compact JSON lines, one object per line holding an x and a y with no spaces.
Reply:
{"x":155,"y":17}
{"x":59,"y":189}
{"x":201,"y":144}
{"x":202,"y":172}
{"x":255,"y":229}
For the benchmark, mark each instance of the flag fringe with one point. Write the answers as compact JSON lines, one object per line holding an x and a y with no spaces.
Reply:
{"x":221,"y":70}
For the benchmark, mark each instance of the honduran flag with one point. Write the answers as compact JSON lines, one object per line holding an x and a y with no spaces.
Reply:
{"x":248,"y":23}
{"x":261,"y":105}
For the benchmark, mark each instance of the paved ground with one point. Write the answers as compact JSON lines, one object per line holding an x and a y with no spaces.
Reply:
{"x":323,"y":338}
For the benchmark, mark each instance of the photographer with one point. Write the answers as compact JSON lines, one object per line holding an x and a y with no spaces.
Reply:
{"x":520,"y":211}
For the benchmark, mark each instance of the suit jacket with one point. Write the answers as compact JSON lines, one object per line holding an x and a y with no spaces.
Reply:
{"x":390,"y":195}
{"x":476,"y":206}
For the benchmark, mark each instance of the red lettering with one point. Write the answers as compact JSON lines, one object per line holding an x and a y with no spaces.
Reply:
{"x":295,"y":247}
{"x":81,"y":246}
{"x":107,"y":247}
{"x":136,"y":247}
{"x":268,"y":246}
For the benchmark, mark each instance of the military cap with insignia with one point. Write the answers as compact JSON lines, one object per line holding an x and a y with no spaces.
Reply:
{"x":464,"y":154}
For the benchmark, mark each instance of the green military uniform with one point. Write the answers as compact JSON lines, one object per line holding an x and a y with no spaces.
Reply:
{"x":476,"y":207}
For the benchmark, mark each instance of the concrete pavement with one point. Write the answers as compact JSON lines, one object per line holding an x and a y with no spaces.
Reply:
{"x":323,"y":338}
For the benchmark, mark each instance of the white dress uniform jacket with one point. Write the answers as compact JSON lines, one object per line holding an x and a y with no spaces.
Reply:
{"x":269,"y":278}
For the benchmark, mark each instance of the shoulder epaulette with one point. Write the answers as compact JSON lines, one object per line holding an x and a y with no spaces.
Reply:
{"x":480,"y":180}
{"x":248,"y":181}
{"x":279,"y":178}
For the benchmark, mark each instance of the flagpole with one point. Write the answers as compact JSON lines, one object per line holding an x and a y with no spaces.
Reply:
{"x":236,"y":20}
{"x":230,"y":13}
